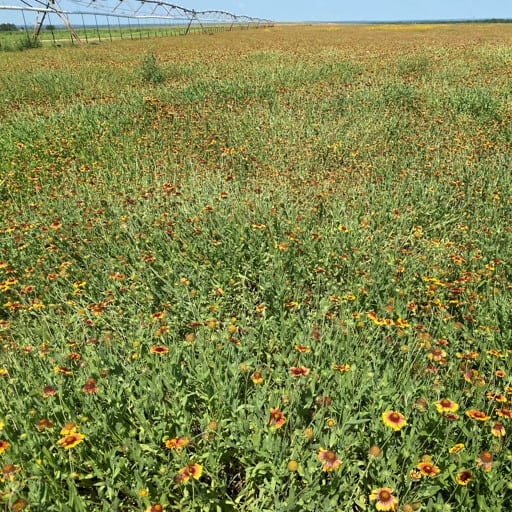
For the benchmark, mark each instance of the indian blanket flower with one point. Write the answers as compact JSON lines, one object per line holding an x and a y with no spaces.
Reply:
{"x":90,"y":386}
{"x":415,"y":475}
{"x":445,"y":405}
{"x":498,"y":429}
{"x":155,"y":508}
{"x":159,"y":349}
{"x":329,"y":460}
{"x":257,"y":378}
{"x":3,"y":446}
{"x":438,"y":355}
{"x":63,"y":370}
{"x":477,"y":415}
{"x":44,"y":424}
{"x":384,"y":499}
{"x":299,"y":371}
{"x":69,"y":428}
{"x":504,"y":413}
{"x":456,"y":448}
{"x":71,"y":440}
{"x":192,"y":470}
{"x":176,"y":443}
{"x":394,"y":419}
{"x":19,"y":504}
{"x":485,"y":460}
{"x":428,"y":469}
{"x":48,"y":391}
{"x":8,"y":472}
{"x":277,"y":418}
{"x":463,"y":477}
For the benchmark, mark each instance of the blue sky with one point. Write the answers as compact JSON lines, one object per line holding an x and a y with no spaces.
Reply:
{"x":330,"y":10}
{"x":356,"y":10}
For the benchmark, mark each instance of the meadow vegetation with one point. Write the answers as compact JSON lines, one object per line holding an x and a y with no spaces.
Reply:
{"x":274,"y":278}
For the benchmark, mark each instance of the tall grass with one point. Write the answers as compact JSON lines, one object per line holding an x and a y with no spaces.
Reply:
{"x":217,"y":286}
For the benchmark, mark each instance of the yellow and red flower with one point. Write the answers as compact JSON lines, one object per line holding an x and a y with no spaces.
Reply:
{"x":428,"y":469}
{"x":68,"y":428}
{"x":8,"y":472}
{"x":63,"y":370}
{"x":90,"y":386}
{"x":299,"y":371}
{"x":3,"y":446}
{"x":456,"y":448}
{"x":48,"y":391}
{"x":445,"y":405}
{"x":485,"y":460}
{"x":191,"y":470}
{"x":498,"y":430}
{"x":329,"y":460}
{"x":277,"y":418}
{"x":438,"y":355}
{"x":394,"y":419}
{"x":176,"y":443}
{"x":257,"y":378}
{"x":44,"y":424}
{"x":415,"y":475}
{"x":155,"y":508}
{"x":504,"y":413}
{"x":477,"y":415}
{"x":71,"y":440}
{"x":159,"y":349}
{"x":464,"y":477}
{"x":384,"y":499}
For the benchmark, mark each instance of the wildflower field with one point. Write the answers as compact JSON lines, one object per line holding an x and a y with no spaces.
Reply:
{"x":262,"y":270}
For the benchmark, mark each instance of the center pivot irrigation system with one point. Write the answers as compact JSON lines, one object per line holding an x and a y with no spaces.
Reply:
{"x":155,"y":12}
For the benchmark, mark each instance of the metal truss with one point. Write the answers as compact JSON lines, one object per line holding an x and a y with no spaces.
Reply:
{"x":131,"y":9}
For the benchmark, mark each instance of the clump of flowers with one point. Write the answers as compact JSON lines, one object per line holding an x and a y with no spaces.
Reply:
{"x":71,"y":436}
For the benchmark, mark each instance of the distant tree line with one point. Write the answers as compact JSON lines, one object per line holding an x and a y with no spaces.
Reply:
{"x":446,"y":22}
{"x":8,"y":27}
